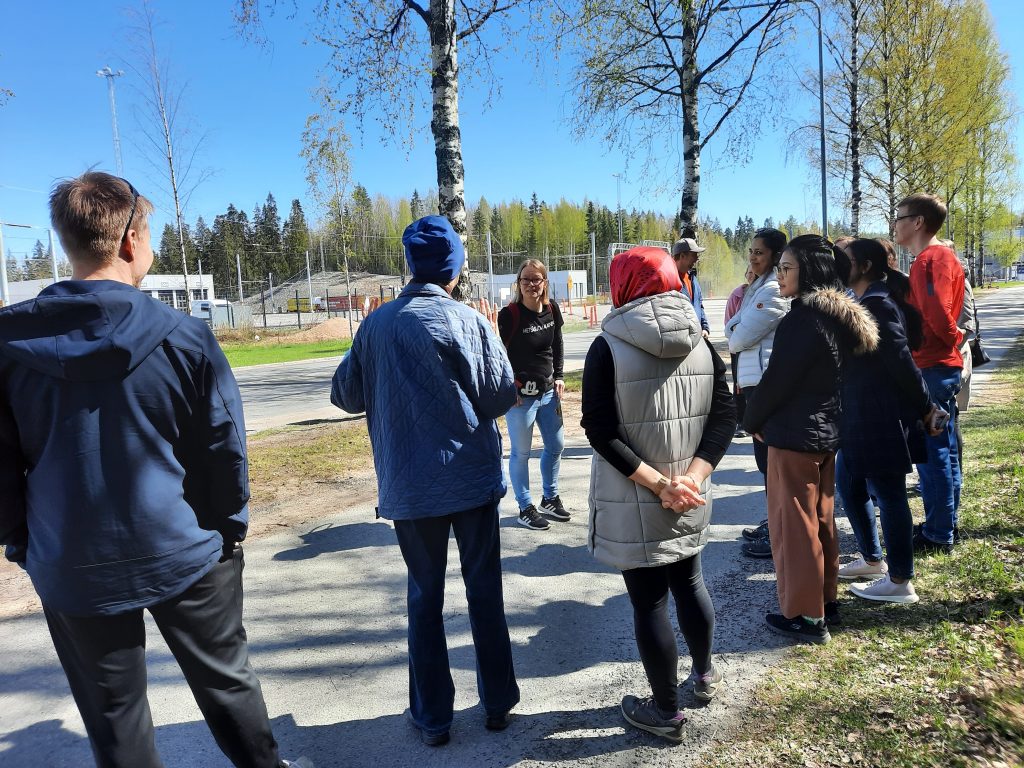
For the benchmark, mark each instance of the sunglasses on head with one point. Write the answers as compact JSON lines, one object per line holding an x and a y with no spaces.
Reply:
{"x":131,"y":215}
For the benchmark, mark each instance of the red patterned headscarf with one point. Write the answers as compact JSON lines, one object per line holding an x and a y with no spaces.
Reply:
{"x":642,"y":271}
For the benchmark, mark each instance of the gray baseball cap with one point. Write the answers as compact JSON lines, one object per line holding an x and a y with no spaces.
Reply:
{"x":686,"y":245}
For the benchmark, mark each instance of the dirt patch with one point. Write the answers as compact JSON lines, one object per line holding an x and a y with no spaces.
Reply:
{"x":328,"y":330}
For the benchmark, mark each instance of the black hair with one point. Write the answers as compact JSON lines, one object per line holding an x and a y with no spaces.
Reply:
{"x":873,"y":259}
{"x":774,"y":239}
{"x":816,"y":258}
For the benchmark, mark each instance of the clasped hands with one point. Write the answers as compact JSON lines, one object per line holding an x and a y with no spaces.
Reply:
{"x":681,"y":494}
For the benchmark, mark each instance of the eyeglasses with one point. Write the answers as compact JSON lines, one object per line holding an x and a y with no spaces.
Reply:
{"x":131,"y":215}
{"x":784,"y":269}
{"x":907,"y":216}
{"x":531,"y":280}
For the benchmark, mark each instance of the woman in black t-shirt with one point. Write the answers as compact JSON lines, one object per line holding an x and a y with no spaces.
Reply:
{"x":531,"y":329}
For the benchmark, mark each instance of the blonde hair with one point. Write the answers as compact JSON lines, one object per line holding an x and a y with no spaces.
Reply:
{"x":90,"y":214}
{"x":540,"y":267}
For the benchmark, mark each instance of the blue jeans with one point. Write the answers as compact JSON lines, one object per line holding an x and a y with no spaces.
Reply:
{"x":546,"y":412}
{"x":890,"y":491}
{"x":940,"y":477}
{"x":424,"y":545}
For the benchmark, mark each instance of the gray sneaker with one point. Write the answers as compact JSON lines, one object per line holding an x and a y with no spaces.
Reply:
{"x":645,"y":715}
{"x":299,"y":762}
{"x":706,"y":686}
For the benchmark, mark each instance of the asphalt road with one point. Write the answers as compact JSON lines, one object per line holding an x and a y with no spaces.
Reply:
{"x":279,"y":394}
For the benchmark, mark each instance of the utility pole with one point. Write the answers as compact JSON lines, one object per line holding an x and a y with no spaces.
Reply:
{"x":110,"y":74}
{"x":618,"y":201}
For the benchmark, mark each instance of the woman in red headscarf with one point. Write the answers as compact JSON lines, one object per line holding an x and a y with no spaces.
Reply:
{"x":658,"y":412}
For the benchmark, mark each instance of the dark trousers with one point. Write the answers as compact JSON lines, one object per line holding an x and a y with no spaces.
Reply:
{"x":760,"y":448}
{"x":104,"y":658}
{"x":424,"y":545}
{"x":648,"y":590}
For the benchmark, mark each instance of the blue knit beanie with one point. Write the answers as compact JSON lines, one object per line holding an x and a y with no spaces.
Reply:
{"x":433,"y":250}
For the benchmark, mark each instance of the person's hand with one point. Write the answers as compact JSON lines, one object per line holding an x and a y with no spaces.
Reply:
{"x":936,"y":420}
{"x":681,"y":494}
{"x":759,"y":437}
{"x":706,"y":334}
{"x":559,"y":388}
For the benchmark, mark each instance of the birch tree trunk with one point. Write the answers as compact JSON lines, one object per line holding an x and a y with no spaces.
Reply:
{"x":444,"y":125}
{"x":691,"y":126}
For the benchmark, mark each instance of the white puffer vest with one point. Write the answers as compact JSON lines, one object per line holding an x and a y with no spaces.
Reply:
{"x":664,"y":380}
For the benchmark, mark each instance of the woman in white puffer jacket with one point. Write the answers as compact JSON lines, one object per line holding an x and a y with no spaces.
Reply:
{"x":751,"y":333}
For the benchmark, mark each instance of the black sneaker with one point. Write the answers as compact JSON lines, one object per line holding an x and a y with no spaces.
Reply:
{"x":798,"y":628}
{"x":759,"y":548}
{"x":553,"y":508}
{"x":832,"y":617}
{"x":753,"y":534}
{"x":531,"y":518}
{"x":498,"y":722}
{"x":924,"y":545}
{"x":645,"y":714}
{"x":430,"y":739}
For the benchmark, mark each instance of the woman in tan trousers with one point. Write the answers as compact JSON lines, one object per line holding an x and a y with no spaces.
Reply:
{"x":795,"y":411}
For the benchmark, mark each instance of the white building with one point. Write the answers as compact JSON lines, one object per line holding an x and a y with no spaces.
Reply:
{"x":566,"y":283}
{"x":170,"y":289}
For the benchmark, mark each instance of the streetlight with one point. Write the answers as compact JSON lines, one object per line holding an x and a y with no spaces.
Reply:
{"x":821,"y":94}
{"x":5,"y":290}
{"x":110,"y":74}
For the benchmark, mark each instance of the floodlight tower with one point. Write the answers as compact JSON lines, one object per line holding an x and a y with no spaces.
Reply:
{"x":110,"y":74}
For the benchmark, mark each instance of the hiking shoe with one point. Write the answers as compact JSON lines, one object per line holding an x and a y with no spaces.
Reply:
{"x":832,"y":617}
{"x":498,"y":722}
{"x":753,"y":534}
{"x":957,"y":538}
{"x":706,"y":686}
{"x":861,"y":568}
{"x":798,"y":628}
{"x":531,"y":518}
{"x":553,"y":508}
{"x":924,"y":545}
{"x":299,"y":762}
{"x":645,"y":715}
{"x":885,"y":590}
{"x":759,"y":548}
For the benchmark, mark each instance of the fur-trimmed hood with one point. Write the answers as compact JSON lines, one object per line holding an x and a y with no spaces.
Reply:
{"x":852,"y":318}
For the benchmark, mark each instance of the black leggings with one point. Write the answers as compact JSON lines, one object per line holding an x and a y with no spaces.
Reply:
{"x":648,"y":590}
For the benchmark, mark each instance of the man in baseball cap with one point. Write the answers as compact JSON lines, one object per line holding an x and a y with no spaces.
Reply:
{"x":686,"y":253}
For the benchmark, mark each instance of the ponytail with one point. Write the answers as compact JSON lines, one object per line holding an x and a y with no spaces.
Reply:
{"x":899,"y":288}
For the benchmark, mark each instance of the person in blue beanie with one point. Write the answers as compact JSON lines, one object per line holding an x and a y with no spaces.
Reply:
{"x":124,"y":484}
{"x":432,"y":379}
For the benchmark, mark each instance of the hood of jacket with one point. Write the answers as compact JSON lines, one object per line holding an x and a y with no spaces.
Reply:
{"x":853,"y":320}
{"x":86,"y":330}
{"x":664,"y":325}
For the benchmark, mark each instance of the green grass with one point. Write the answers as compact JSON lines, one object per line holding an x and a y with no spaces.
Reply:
{"x":243,"y":354}
{"x":940,"y":683}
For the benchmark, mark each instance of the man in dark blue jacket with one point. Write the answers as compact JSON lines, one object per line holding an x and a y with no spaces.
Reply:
{"x":124,"y":484}
{"x":432,"y":378}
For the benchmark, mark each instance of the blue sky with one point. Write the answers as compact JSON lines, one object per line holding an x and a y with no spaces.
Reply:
{"x":252,"y":103}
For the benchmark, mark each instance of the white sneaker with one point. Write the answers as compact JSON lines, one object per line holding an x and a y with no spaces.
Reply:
{"x":885,"y":590}
{"x":861,"y":568}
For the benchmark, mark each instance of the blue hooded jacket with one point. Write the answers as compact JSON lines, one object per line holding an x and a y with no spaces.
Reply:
{"x":123,"y":470}
{"x":432,"y":378}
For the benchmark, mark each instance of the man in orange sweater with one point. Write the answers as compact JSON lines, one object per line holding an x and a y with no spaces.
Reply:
{"x":937,"y":291}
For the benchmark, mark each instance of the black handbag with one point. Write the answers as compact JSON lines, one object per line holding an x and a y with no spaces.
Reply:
{"x":979,"y":356}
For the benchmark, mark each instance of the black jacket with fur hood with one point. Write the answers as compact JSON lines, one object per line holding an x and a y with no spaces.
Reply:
{"x":797,"y":406}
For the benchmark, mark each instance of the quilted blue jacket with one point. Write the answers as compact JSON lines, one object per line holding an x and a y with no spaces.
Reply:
{"x":432,"y":378}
